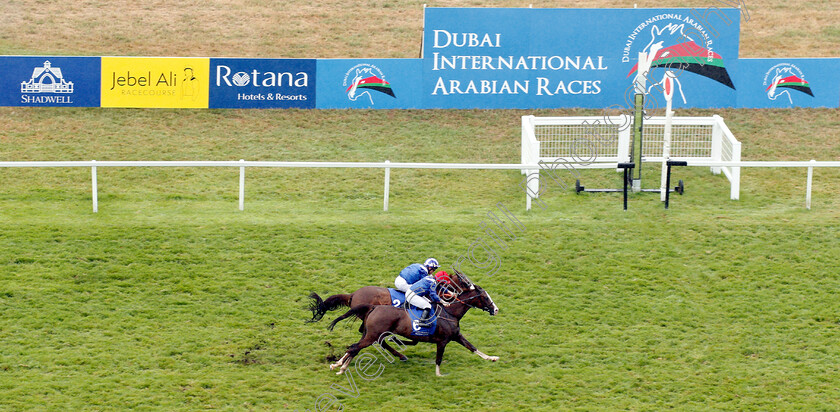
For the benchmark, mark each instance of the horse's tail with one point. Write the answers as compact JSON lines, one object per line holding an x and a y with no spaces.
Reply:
{"x":319,"y":307}
{"x":361,"y":311}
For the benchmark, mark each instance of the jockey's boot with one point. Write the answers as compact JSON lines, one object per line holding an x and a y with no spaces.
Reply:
{"x":424,"y":318}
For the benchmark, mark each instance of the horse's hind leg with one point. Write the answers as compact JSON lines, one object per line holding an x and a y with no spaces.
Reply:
{"x":340,"y":362}
{"x":340,"y":318}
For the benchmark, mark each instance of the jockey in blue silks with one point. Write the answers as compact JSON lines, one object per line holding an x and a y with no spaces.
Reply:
{"x":421,"y":294}
{"x":413,"y":273}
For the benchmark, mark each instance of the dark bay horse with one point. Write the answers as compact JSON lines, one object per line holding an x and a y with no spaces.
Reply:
{"x":381,"y":321}
{"x":368,"y":295}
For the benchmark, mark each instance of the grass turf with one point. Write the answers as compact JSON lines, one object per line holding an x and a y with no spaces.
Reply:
{"x":170,"y":298}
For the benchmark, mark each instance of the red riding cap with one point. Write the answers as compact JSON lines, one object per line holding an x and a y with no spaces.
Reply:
{"x":443,"y":277}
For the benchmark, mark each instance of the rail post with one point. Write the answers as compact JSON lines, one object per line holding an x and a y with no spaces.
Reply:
{"x":387,"y":186}
{"x":242,"y":186}
{"x":808,"y":186}
{"x":94,"y":189}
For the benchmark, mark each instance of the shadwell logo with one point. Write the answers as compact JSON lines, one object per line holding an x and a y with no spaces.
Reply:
{"x":46,"y":79}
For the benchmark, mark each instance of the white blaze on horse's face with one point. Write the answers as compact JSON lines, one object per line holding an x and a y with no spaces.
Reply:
{"x":495,"y":308}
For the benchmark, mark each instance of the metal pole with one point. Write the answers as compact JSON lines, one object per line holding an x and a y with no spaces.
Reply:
{"x":668,"y":181}
{"x":242,"y":186}
{"x":628,"y":177}
{"x":668,"y":185}
{"x":625,"y":188}
{"x":808,"y":189}
{"x":387,"y":186}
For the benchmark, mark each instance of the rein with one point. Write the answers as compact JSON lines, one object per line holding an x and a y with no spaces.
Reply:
{"x":465,"y":301}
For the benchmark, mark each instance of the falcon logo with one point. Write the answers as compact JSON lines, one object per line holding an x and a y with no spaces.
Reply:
{"x":783,"y":77}
{"x":363,"y":79}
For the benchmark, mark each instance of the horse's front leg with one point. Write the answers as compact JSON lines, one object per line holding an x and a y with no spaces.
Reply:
{"x":441,"y":346}
{"x":463,"y":341}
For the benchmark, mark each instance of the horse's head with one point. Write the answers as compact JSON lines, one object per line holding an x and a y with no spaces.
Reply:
{"x":485,"y":302}
{"x":476,"y":294}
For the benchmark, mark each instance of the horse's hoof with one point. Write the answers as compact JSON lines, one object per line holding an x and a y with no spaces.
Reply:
{"x":340,"y":372}
{"x":493,"y":358}
{"x":404,"y":359}
{"x":333,"y":366}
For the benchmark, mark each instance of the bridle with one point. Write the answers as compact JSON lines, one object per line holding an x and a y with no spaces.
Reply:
{"x":467,"y":299}
{"x":472,"y":286}
{"x":464,"y":302}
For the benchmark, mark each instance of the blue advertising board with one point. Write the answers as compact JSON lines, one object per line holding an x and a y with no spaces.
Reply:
{"x":370,"y":84}
{"x":49,"y":81}
{"x":765,"y":83}
{"x":262,"y":83}
{"x":551,"y":58}
{"x":487,"y":58}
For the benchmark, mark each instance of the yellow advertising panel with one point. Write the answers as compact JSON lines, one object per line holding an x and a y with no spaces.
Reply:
{"x":167,"y":82}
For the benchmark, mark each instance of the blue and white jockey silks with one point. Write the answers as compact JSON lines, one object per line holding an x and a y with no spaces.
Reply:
{"x":409,"y":276}
{"x":417,"y":328}
{"x":413,"y":273}
{"x":422,"y":293}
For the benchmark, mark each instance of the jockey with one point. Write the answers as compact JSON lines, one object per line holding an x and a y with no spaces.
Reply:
{"x":413,"y":273}
{"x":417,"y":296}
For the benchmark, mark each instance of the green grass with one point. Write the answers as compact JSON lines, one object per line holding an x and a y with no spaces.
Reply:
{"x":195,"y":305}
{"x":170,"y":298}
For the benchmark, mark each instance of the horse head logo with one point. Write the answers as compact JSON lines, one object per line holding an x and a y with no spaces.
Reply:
{"x":660,"y":47}
{"x":669,"y":35}
{"x":670,"y":48}
{"x":360,"y":75}
{"x":778,"y":78}
{"x":365,"y":79}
